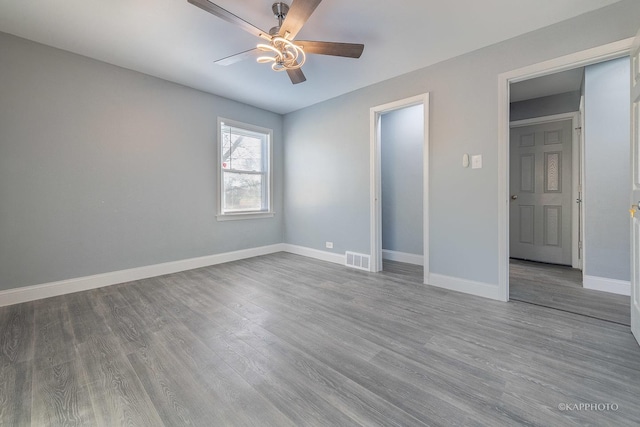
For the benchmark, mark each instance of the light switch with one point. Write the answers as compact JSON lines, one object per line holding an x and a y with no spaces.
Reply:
{"x":476,"y":161}
{"x":465,"y":161}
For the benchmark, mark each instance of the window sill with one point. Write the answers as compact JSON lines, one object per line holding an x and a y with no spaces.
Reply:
{"x":248,"y":215}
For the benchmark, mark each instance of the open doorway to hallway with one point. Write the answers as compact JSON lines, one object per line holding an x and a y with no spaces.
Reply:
{"x":401,"y":126}
{"x":569,"y":175}
{"x":402,"y":169}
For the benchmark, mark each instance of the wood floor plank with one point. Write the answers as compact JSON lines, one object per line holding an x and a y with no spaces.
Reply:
{"x":177,"y":398}
{"x":84,"y":316}
{"x":54,"y":339}
{"x":192,"y":291}
{"x":60,"y":396}
{"x":238,"y":403}
{"x":284,"y":340}
{"x":117,"y":395}
{"x":465,"y":393}
{"x":16,"y":333}
{"x":373,"y":328}
{"x":417,"y":402}
{"x":123,"y":321}
{"x":152,"y":304}
{"x":314,"y":320}
{"x":357,"y":402}
{"x":292,"y":396}
{"x":269,"y":376}
{"x":521,"y":369}
{"x":15,"y":393}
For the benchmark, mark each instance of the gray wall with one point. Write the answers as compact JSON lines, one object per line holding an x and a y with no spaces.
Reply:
{"x":327,"y":147}
{"x":568,"y":102}
{"x":607,"y":170}
{"x":401,"y":140}
{"x":103,"y":168}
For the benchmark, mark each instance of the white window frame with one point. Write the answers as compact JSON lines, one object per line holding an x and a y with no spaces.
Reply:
{"x":264,"y":213}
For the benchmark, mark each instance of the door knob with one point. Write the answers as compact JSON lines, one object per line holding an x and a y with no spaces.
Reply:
{"x":514,"y":197}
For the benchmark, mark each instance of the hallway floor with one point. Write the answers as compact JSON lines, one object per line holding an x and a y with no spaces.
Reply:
{"x":560,"y":287}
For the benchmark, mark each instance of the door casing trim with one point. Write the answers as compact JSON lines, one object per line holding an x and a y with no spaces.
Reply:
{"x":376,"y":179}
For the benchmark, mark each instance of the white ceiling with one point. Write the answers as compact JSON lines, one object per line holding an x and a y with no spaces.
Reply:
{"x":553,"y":84}
{"x":177,"y":41}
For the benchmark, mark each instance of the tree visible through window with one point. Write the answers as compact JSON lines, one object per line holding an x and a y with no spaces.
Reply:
{"x":244,"y":164}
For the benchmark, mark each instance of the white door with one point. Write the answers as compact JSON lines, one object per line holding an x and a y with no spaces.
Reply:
{"x":541,"y":191}
{"x":635,"y":192}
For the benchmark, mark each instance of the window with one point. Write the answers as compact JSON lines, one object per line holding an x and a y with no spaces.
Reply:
{"x":245,"y":170}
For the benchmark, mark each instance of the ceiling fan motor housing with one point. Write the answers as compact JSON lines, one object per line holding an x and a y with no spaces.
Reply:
{"x":280,"y":11}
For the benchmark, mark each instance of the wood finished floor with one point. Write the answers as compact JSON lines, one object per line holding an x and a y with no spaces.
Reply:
{"x":283,"y":340}
{"x":561,"y":288}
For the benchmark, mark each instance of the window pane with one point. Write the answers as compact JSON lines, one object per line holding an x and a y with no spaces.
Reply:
{"x":241,"y":151}
{"x":242,"y":192}
{"x":244,"y":168}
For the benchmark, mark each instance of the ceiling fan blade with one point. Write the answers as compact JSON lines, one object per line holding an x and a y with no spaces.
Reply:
{"x":298,"y":14}
{"x":216,"y":10}
{"x":238,"y":57}
{"x":296,"y":76}
{"x":349,"y":50}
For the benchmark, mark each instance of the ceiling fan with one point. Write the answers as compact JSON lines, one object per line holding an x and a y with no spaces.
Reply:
{"x":281,"y":50}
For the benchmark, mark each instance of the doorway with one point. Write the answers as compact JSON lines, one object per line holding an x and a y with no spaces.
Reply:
{"x":544,"y":237}
{"x":401,"y":141}
{"x":384,"y":216}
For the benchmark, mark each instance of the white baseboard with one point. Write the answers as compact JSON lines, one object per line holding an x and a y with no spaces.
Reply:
{"x":402,"y":257}
{"x":480,"y":289}
{"x":314,"y":253}
{"x":46,"y":290}
{"x":621,"y":287}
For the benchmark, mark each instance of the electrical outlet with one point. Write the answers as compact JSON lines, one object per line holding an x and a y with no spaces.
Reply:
{"x":329,"y":245}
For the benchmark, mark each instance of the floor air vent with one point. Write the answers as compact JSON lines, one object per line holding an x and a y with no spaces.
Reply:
{"x":359,"y":261}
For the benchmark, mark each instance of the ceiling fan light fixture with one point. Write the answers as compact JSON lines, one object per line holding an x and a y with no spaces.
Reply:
{"x":288,"y":56}
{"x":268,"y":48}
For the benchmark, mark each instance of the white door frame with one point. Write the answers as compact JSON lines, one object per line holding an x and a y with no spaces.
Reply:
{"x":577,"y":165}
{"x":579,"y":59}
{"x":635,"y":186}
{"x":376,"y":178}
